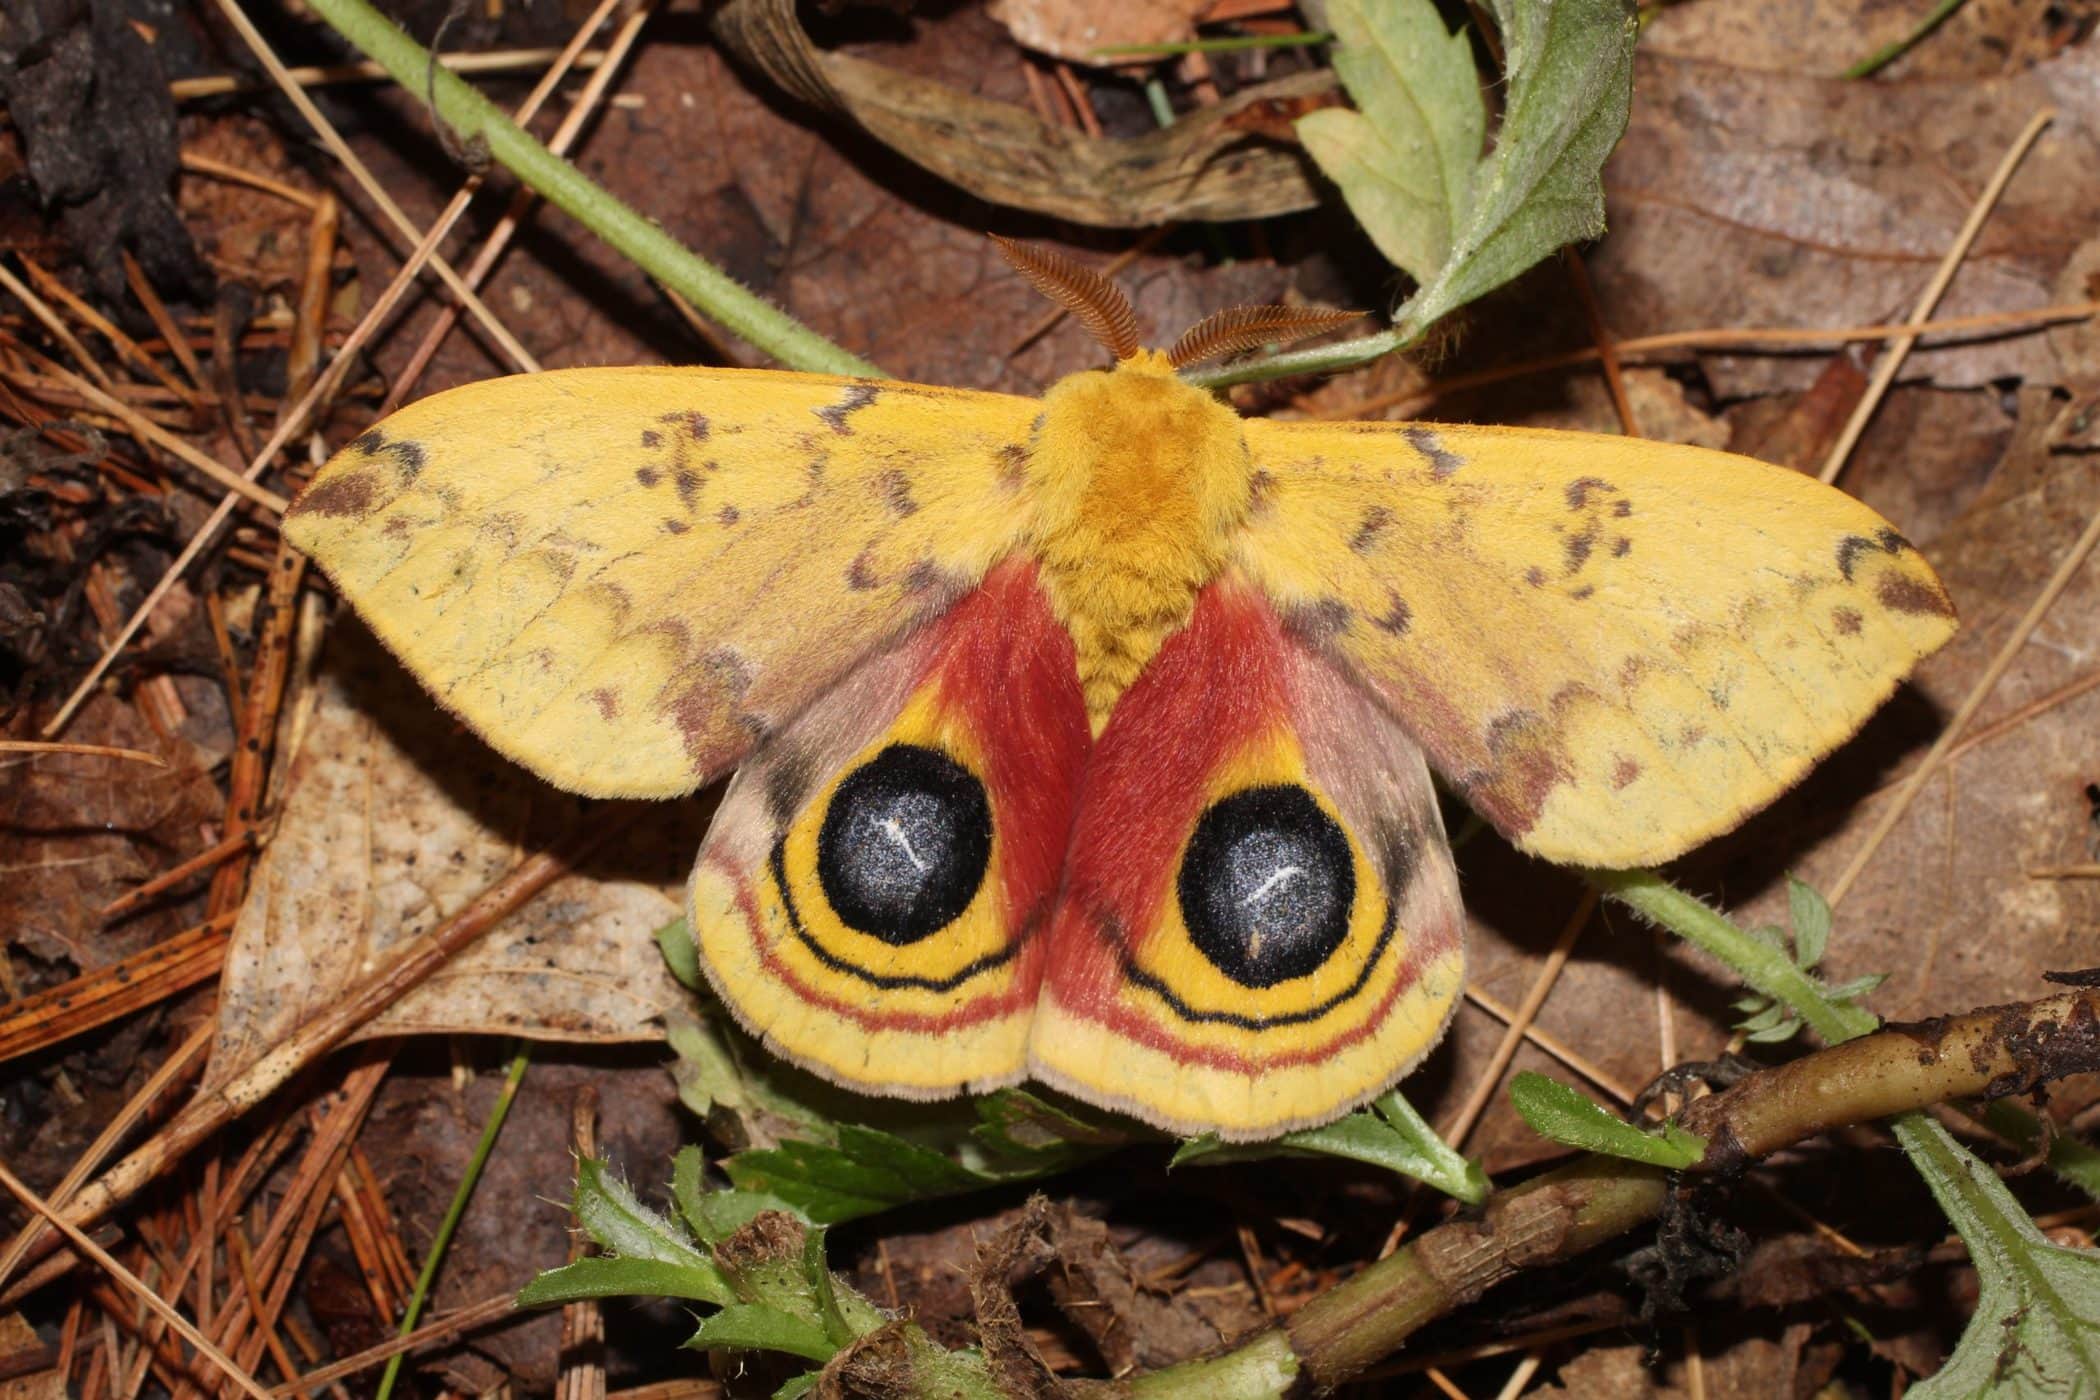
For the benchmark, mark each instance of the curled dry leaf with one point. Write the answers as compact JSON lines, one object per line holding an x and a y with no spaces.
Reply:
{"x":394,"y":819}
{"x":1202,"y":168}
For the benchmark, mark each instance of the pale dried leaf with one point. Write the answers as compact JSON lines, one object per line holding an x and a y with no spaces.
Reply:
{"x":1079,"y":29}
{"x":395,"y":819}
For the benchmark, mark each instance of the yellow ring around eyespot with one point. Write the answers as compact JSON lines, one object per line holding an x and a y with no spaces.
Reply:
{"x":957,"y":960}
{"x":1170,"y":957}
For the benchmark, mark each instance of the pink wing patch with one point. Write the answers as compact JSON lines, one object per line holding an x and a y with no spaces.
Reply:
{"x":874,"y":897}
{"x":1260,"y":923}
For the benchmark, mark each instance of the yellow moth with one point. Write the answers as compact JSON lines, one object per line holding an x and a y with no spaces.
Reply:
{"x":1088,"y":738}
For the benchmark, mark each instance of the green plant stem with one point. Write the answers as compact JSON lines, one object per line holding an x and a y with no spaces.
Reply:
{"x":1760,"y":965}
{"x":1336,"y":1337}
{"x":1889,"y":53}
{"x":1319,"y":359}
{"x":458,"y":1208}
{"x":472,"y":117}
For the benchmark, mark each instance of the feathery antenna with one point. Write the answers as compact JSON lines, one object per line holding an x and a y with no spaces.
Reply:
{"x":1098,"y":303}
{"x":1244,"y":327}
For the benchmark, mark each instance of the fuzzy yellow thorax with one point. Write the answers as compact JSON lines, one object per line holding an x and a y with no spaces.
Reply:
{"x":1138,"y":480}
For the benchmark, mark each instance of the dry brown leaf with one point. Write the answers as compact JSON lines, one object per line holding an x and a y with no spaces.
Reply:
{"x":1742,"y":197}
{"x":395,"y":819}
{"x":1079,"y":29}
{"x":1202,"y":168}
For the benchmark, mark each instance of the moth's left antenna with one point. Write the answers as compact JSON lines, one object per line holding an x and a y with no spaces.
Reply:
{"x":1098,"y":303}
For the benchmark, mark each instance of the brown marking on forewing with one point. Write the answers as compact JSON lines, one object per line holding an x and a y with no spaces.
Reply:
{"x":687,"y":482}
{"x":895,"y":488}
{"x":1535,"y":576}
{"x":1442,"y":461}
{"x":856,"y":398}
{"x":1576,"y":549}
{"x":1621,"y":547}
{"x":351,"y":493}
{"x":860,"y":575}
{"x":1578,"y":492}
{"x":694,"y":425}
{"x":648,"y":476}
{"x":1622,"y":508}
{"x":1013,"y":467}
{"x":1909,"y":595}
{"x":1624,"y":772}
{"x":1397,"y":618}
{"x":1375,"y":522}
{"x":652,"y":438}
{"x":608,"y":702}
{"x":1846,"y":620}
{"x":676,"y":527}
{"x":1524,"y":767}
{"x":729,"y":515}
{"x":1852,"y":546}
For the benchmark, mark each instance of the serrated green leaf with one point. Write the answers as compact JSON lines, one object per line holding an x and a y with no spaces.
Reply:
{"x":2036,"y":1329}
{"x":1558,"y":1112}
{"x":1389,"y":1135}
{"x":756,"y":1327}
{"x":1569,"y":72}
{"x":610,"y":1214}
{"x":607,"y":1276}
{"x":1809,"y":912}
{"x":866,"y":1171}
{"x":1751,"y":1005}
{"x":1404,"y":159}
{"x":1773,"y":1035}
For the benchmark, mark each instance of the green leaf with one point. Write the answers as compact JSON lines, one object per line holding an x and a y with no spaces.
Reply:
{"x":1856,"y":988}
{"x":867,"y":1170}
{"x":1390,"y":1135}
{"x":2036,"y":1329}
{"x":1809,"y":912}
{"x":1569,"y":76}
{"x":795,"y":1387}
{"x":1558,"y":1112}
{"x":1767,"y":1019}
{"x":756,"y":1327}
{"x":1404,"y":159}
{"x":1773,"y":1035}
{"x":714,"y":1215}
{"x":608,"y":1276}
{"x":610,"y":1214}
{"x":681,"y":954}
{"x":1036,"y":1135}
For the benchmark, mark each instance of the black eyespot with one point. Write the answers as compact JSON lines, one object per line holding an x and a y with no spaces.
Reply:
{"x":904,"y":845}
{"x":1267,"y":885}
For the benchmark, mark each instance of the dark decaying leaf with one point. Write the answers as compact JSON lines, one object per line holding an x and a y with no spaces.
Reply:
{"x":1202,"y":168}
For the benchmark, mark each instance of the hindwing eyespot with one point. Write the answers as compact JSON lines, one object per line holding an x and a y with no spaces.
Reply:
{"x":904,"y":845}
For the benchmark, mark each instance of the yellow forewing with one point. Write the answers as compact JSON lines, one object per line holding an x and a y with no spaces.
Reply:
{"x":1615,"y":649}
{"x":625,"y":578}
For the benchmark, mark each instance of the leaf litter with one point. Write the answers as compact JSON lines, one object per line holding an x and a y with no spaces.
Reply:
{"x":1966,"y":463}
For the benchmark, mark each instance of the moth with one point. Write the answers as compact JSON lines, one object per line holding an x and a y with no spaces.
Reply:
{"x":1088,"y":738}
